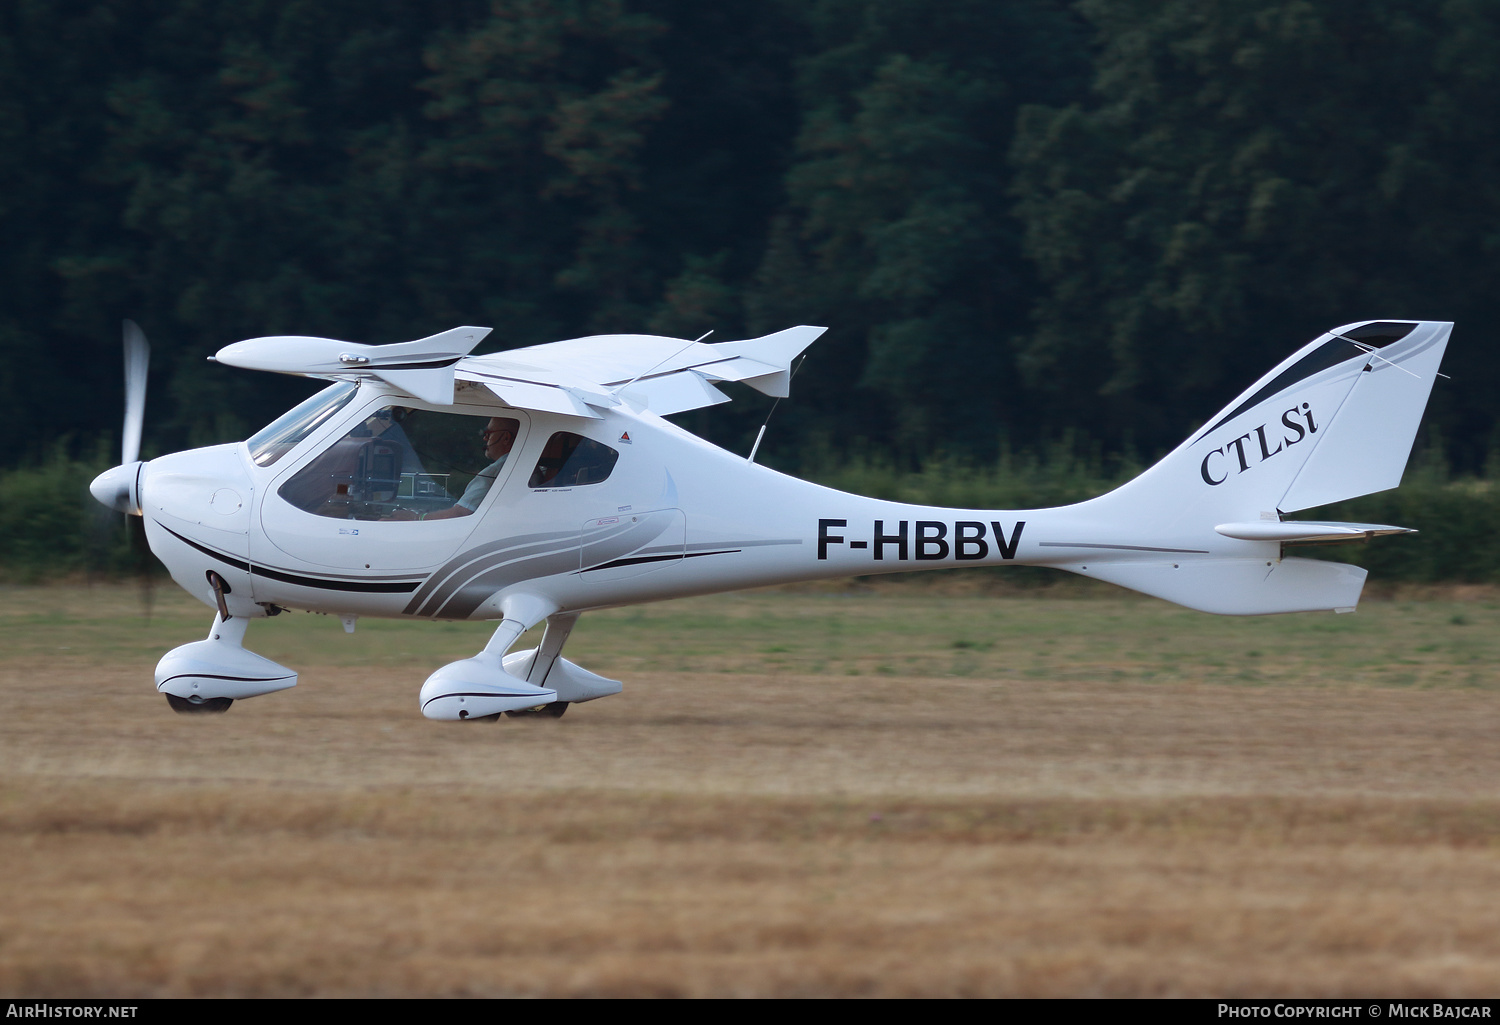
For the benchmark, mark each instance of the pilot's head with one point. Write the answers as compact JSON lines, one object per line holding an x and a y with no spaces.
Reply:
{"x":499,"y":435}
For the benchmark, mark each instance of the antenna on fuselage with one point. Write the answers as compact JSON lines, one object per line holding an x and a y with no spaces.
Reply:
{"x":762,"y":432}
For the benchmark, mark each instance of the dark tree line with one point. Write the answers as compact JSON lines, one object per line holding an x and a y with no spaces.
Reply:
{"x":1247,"y":174}
{"x":1018,"y":219}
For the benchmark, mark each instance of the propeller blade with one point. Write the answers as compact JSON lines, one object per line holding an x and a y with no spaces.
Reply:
{"x":140,"y":555}
{"x":137,"y":361}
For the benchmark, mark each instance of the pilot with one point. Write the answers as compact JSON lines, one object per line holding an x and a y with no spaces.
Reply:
{"x":499,"y":435}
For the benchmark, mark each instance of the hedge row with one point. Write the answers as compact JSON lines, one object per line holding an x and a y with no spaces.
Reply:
{"x":51,"y":528}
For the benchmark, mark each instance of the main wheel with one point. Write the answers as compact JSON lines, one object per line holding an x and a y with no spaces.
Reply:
{"x":492,"y":717}
{"x":554,"y":710}
{"x":198,"y":706}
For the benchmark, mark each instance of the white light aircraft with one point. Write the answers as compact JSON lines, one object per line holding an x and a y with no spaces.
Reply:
{"x":534,"y":485}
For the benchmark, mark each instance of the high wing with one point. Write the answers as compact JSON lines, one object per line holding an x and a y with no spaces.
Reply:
{"x":578,"y":377}
{"x":583,"y":376}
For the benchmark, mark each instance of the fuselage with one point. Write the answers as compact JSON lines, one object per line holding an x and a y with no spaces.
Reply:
{"x":673,"y":516}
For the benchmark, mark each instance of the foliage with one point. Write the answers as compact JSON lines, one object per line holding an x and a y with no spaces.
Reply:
{"x":1457,"y":523}
{"x":1249,"y":173}
{"x":898,"y":229}
{"x":1060,"y":474}
{"x":1021,"y":221}
{"x":52,"y":526}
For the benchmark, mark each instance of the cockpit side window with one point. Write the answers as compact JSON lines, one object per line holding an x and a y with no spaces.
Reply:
{"x":282,"y":435}
{"x":405,"y":464}
{"x":569,"y":460}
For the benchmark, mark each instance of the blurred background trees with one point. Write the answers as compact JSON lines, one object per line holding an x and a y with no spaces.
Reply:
{"x":1026,"y":224}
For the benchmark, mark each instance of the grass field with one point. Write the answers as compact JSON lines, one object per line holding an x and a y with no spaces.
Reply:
{"x":897,"y":791}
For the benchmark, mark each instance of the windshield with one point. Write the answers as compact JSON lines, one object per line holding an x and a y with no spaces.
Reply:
{"x":280,"y":437}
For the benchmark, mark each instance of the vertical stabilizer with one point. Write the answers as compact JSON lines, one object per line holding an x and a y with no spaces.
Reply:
{"x":1335,"y":420}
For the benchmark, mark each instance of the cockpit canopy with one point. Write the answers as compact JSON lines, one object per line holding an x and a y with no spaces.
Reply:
{"x":399,"y":458}
{"x":406,"y":463}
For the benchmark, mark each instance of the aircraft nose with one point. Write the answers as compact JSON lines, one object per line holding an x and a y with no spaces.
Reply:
{"x":119,"y":488}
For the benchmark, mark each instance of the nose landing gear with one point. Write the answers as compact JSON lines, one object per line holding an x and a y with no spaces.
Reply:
{"x":206,"y":676}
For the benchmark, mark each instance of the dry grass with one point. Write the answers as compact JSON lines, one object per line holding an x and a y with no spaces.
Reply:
{"x":909,"y":803}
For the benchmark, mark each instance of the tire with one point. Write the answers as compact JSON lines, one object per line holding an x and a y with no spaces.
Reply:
{"x":554,"y":710}
{"x":203,"y":706}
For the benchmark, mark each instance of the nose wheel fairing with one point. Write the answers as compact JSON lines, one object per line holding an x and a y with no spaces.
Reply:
{"x":219,"y":668}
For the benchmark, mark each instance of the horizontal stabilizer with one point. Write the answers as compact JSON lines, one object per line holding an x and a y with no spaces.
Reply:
{"x":1239,"y":587}
{"x":1308,"y":531}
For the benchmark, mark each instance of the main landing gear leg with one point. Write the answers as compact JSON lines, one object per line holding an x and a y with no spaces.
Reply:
{"x":556,"y":635}
{"x":544,"y":666}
